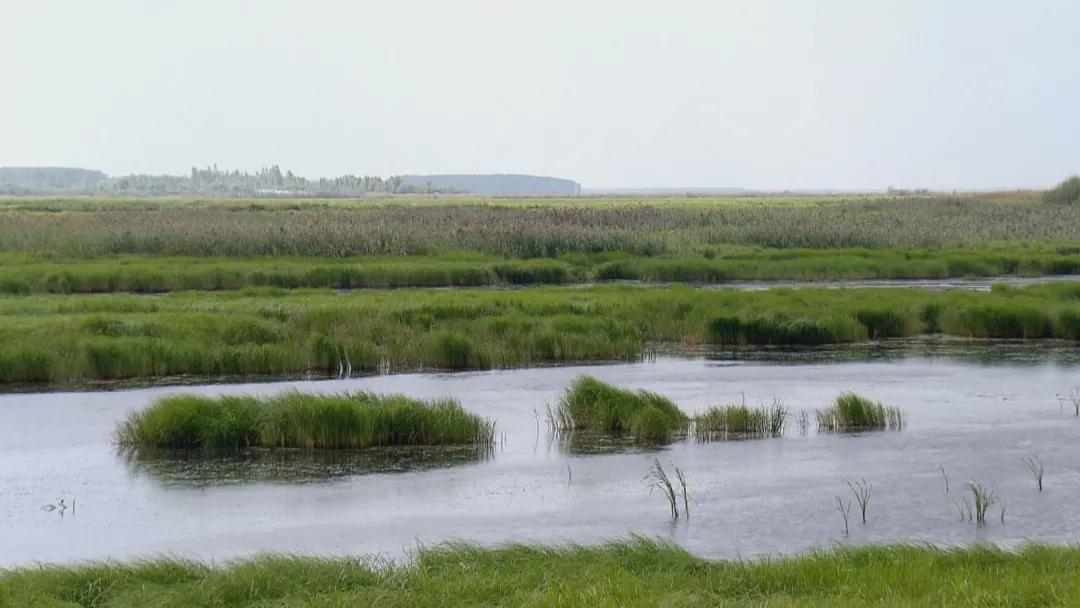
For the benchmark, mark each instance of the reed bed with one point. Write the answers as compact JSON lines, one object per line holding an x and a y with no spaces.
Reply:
{"x":539,"y":229}
{"x":593,"y":406}
{"x":628,"y":573}
{"x":263,"y":332}
{"x":741,"y":421}
{"x":852,"y":412}
{"x":346,"y":421}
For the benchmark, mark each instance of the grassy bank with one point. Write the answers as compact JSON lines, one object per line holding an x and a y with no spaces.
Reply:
{"x":62,"y":338}
{"x":297,"y":420}
{"x":636,"y":573}
{"x":22,"y":273}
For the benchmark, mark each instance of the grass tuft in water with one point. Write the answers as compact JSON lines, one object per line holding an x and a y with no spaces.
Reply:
{"x":594,"y":406}
{"x":741,"y":421}
{"x":852,"y":412}
{"x":1035,"y":465}
{"x":297,"y":420}
{"x":982,"y":498}
{"x":658,"y":479}
{"x":862,"y":491}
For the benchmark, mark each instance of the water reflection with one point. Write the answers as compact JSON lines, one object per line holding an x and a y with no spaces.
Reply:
{"x":587,"y":444}
{"x":198,"y":468}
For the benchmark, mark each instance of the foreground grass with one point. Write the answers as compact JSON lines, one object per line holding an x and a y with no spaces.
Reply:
{"x":297,"y":420}
{"x":633,"y":573}
{"x":267,"y":332}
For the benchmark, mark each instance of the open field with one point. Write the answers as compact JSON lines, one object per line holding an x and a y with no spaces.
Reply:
{"x":255,"y":332}
{"x":637,"y":572}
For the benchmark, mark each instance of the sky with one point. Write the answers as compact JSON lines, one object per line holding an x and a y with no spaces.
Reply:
{"x":763,"y":94}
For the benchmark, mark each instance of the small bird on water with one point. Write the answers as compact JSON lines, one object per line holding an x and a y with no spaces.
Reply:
{"x":58,"y":506}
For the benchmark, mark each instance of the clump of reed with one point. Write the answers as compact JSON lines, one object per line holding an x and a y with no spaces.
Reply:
{"x":741,"y":421}
{"x":658,"y":479}
{"x":982,"y":498}
{"x":298,"y":420}
{"x":852,"y":412}
{"x":593,"y":406}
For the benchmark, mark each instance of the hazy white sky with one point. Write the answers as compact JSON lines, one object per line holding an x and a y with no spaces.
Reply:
{"x":754,"y":93}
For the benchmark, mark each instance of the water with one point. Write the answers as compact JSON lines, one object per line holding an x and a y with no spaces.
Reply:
{"x":975,"y":414}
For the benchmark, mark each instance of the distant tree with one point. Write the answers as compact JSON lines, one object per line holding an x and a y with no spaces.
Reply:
{"x":1065,"y":193}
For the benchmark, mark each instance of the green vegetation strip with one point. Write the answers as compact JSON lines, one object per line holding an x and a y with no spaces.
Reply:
{"x":633,"y":573}
{"x":28,"y":274}
{"x":297,"y":420}
{"x":267,"y":332}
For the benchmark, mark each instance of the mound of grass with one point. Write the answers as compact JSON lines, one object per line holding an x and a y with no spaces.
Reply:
{"x":297,"y":420}
{"x":741,"y":421}
{"x":851,"y":412}
{"x":594,"y":406}
{"x":633,"y":573}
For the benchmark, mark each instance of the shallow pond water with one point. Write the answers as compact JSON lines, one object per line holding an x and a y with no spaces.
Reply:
{"x":976,"y":410}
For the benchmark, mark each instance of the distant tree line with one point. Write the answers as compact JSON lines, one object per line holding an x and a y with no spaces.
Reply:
{"x":210,"y":181}
{"x":30,"y":180}
{"x":1065,"y":193}
{"x":269,"y":181}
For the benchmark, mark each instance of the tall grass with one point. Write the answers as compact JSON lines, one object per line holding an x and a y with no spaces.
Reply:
{"x":852,"y":412}
{"x":538,"y":230}
{"x":593,"y":406}
{"x":265,"y":332}
{"x":741,"y":421}
{"x":297,"y":420}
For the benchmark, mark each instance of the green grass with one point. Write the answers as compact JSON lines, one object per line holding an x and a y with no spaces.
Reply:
{"x":296,"y":420}
{"x":741,"y":421}
{"x":267,"y":332}
{"x":593,"y":406}
{"x":851,"y":412}
{"x":633,"y":573}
